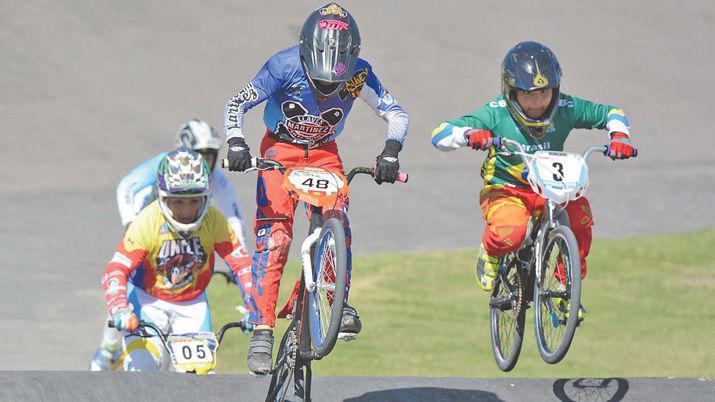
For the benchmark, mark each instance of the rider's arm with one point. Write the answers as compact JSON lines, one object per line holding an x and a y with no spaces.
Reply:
{"x":266,"y":82}
{"x":136,"y":190}
{"x":375,"y":95}
{"x":128,"y":255}
{"x":230,"y":249}
{"x":224,"y":197}
{"x":449,"y":135}
{"x":589,"y":115}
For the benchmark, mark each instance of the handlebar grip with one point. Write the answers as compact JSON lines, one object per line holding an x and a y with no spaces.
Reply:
{"x":635,"y":152}
{"x":402,"y":177}
{"x":110,"y":324}
{"x":224,"y":163}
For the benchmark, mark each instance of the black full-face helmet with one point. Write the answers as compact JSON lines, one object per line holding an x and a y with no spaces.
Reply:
{"x":329,"y":47}
{"x":530,"y":66}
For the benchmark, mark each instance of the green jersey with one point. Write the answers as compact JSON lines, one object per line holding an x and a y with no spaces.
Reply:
{"x":494,"y":116}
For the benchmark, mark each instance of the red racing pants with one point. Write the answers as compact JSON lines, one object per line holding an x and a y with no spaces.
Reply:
{"x":273,"y":225}
{"x":508,"y":210}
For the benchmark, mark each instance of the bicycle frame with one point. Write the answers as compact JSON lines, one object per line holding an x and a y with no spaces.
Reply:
{"x":555,"y":212}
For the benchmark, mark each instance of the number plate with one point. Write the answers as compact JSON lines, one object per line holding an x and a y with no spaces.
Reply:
{"x":314,"y":185}
{"x":559,"y":176}
{"x":193,"y":351}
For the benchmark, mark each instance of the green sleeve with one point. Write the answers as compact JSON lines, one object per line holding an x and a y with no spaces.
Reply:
{"x":587,"y":114}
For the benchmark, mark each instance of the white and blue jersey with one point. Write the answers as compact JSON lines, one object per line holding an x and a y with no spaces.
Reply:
{"x":293,"y":112}
{"x":137,"y":189}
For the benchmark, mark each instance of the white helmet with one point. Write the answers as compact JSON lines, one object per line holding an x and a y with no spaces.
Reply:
{"x":183,"y":173}
{"x":198,"y":134}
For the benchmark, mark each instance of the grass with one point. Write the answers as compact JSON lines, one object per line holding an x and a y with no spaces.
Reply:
{"x":650,"y":302}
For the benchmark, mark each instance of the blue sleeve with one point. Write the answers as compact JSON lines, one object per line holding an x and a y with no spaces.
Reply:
{"x":384,"y":104}
{"x":267,"y":82}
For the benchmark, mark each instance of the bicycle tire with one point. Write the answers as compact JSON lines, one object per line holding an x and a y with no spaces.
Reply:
{"x":285,"y":366}
{"x":507,"y":314}
{"x":323,"y":337}
{"x":546,"y":314}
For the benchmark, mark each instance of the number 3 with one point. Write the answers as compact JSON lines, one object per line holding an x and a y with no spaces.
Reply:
{"x":560,"y":168}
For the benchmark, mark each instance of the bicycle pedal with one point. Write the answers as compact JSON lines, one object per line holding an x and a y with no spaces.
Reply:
{"x":347,"y":336}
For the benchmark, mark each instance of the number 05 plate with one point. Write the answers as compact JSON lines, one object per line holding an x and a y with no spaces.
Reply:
{"x":193,"y":351}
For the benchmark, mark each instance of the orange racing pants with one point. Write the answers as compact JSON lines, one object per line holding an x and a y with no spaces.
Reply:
{"x":508,"y":210}
{"x":273,"y":225}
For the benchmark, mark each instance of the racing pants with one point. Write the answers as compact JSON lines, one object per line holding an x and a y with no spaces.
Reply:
{"x":274,"y":221}
{"x":508,"y":210}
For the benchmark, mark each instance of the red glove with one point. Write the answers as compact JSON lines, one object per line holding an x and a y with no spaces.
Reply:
{"x":620,"y":146}
{"x":478,"y":139}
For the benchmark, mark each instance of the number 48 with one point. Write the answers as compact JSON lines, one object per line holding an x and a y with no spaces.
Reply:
{"x":319,"y":183}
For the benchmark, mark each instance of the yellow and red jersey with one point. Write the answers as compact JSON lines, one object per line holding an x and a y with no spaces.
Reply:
{"x":166,"y":265}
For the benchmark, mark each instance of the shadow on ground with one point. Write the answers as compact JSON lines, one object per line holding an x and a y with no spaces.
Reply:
{"x":426,"y":394}
{"x":591,"y":389}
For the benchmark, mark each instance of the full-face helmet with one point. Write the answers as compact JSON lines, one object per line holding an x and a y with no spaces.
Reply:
{"x":530,"y":66}
{"x":329,"y":48}
{"x":183,"y":173}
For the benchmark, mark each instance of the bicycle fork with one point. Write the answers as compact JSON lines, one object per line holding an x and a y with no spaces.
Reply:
{"x":305,"y":252}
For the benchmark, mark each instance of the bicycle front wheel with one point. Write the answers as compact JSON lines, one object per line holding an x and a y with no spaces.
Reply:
{"x":557,"y":295}
{"x":281,"y":379}
{"x":507,"y":313}
{"x":325,"y":301}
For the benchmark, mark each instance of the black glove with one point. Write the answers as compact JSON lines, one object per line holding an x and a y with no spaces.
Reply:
{"x":387,"y":164}
{"x":239,"y":155}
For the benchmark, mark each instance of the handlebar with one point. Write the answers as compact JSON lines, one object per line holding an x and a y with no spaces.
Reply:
{"x":269,"y":164}
{"x":143,"y":325}
{"x":501,"y":143}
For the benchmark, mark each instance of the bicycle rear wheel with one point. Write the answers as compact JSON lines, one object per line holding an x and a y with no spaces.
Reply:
{"x":557,"y":295}
{"x":282,"y":377}
{"x":325,"y":302}
{"x":507,"y":313}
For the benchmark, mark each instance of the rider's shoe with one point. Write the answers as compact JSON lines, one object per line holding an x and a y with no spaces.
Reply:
{"x":102,"y":360}
{"x":487,"y":268}
{"x":260,"y":352}
{"x":350,"y":324}
{"x":565,"y":307}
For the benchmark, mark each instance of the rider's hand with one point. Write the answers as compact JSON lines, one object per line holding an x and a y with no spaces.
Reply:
{"x":388,"y":165}
{"x":125,"y":320}
{"x":239,"y":155}
{"x":620,"y":146}
{"x":478,"y":139}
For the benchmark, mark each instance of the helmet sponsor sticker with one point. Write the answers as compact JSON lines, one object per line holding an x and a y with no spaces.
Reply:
{"x":334,"y":25}
{"x":340,"y":68}
{"x":540,"y":80}
{"x":333,"y":9}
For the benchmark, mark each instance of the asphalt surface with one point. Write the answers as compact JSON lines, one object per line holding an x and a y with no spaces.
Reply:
{"x":90,"y":89}
{"x":77,"y":386}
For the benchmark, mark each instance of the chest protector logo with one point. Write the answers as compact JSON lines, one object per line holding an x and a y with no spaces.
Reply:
{"x":301,"y":125}
{"x":178,"y":263}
